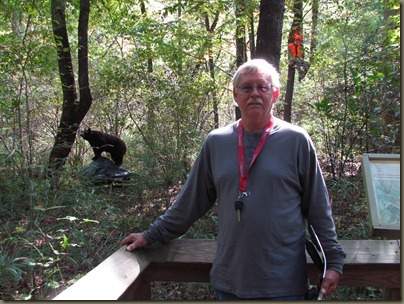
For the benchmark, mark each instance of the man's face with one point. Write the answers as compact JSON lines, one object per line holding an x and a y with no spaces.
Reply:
{"x":254,"y":95}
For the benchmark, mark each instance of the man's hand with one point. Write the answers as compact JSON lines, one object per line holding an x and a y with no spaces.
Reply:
{"x":135,"y":240}
{"x":330,"y":282}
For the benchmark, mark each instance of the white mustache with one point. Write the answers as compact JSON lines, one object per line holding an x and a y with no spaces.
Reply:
{"x":253,"y":100}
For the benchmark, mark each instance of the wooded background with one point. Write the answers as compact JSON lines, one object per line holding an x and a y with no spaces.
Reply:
{"x":158,"y":75}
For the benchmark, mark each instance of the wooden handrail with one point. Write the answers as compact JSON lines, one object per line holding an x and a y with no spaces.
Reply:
{"x":127,"y":275}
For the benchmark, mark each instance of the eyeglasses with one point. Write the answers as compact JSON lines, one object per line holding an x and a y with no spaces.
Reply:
{"x":262,"y":88}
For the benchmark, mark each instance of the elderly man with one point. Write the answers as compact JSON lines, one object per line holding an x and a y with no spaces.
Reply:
{"x":265,"y":177}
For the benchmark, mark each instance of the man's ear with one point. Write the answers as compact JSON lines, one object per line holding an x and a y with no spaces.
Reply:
{"x":234,"y":93}
{"x":276,"y":94}
{"x":234,"y":97}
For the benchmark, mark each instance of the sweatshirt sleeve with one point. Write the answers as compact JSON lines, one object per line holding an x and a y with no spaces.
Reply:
{"x":317,"y":209}
{"x":195,"y":198}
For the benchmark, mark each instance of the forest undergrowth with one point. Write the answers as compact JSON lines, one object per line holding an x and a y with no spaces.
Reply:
{"x":54,"y":234}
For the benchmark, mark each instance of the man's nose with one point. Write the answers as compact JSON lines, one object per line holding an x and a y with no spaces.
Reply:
{"x":255,"y":91}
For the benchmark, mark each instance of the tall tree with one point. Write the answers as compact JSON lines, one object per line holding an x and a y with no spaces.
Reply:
{"x":74,"y":108}
{"x":149,"y":60}
{"x":314,"y":21}
{"x":210,"y":28}
{"x":295,"y":28}
{"x":241,"y":43}
{"x":269,"y":33}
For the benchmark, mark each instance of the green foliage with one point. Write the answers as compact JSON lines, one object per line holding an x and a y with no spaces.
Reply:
{"x":354,"y":95}
{"x":350,"y":209}
{"x":170,"y":291}
{"x":53,"y":233}
{"x":355,"y":294}
{"x":9,"y":269}
{"x":205,"y":228}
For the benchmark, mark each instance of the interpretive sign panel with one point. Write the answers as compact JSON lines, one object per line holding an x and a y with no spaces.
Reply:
{"x":382,"y":185}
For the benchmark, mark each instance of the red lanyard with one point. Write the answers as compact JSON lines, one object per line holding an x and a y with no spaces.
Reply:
{"x":243,"y":173}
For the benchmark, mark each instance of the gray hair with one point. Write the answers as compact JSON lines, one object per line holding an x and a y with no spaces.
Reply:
{"x":258,"y":65}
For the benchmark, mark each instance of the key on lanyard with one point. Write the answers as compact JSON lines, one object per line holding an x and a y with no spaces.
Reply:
{"x":238,"y":205}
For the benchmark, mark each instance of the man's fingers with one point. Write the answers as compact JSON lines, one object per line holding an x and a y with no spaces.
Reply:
{"x":134,"y":240}
{"x":330,"y":283}
{"x":127,"y":240}
{"x":130,"y":247}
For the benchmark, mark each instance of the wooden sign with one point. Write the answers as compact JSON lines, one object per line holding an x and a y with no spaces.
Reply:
{"x":382,"y":186}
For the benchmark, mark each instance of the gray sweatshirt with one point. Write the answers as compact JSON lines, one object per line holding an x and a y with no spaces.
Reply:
{"x":263,"y":254}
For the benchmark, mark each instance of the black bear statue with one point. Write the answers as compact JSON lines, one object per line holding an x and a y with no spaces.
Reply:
{"x":102,"y":142}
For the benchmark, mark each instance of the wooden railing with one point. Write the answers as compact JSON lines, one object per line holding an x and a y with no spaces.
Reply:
{"x":128,"y":275}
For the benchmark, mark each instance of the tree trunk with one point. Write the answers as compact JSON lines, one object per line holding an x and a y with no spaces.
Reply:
{"x":73,"y":110}
{"x":287,"y":105}
{"x":269,"y":34}
{"x":241,"y":44}
{"x":86,"y":98}
{"x":296,"y":24}
{"x":241,"y":49}
{"x":149,"y":60}
{"x":252,"y":34}
{"x":314,"y":17}
{"x":210,"y":29}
